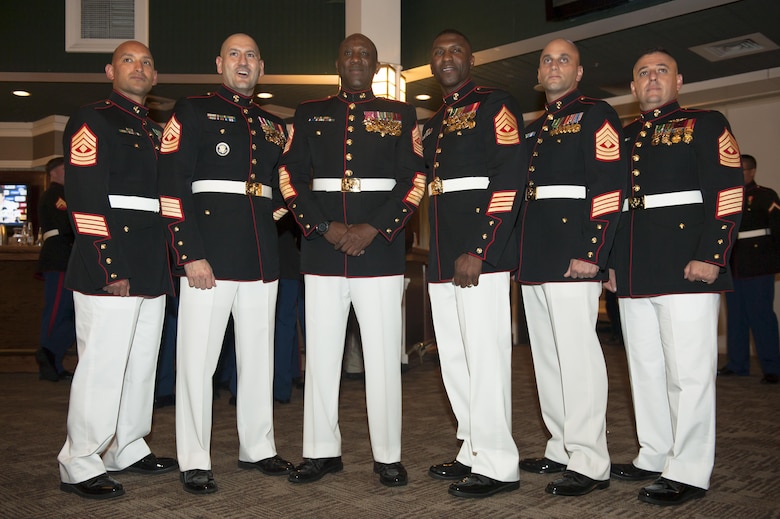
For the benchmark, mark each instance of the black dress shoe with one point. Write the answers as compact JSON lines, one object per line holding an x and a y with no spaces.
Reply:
{"x":541,"y":466}
{"x":282,"y":400}
{"x":666,"y":492}
{"x":769,"y":378}
{"x":151,"y":464}
{"x":46,"y":369}
{"x":477,"y":485}
{"x":630,"y":472}
{"x":164,"y":401}
{"x":725,"y":371}
{"x":312,"y":469}
{"x":391,"y":474}
{"x":574,"y":484}
{"x":65,"y":375}
{"x":449,"y":470}
{"x":274,"y":466}
{"x":99,"y":487}
{"x":198,"y":481}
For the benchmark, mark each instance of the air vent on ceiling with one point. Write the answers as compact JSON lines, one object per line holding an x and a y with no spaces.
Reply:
{"x":735,"y":47}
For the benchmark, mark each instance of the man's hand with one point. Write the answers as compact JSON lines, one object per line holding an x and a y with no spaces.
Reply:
{"x":467,"y":271}
{"x":335,"y":231}
{"x":357,"y":238}
{"x":200,"y":275}
{"x":581,"y":269}
{"x":701,"y":271}
{"x":118,"y":288}
{"x":611,"y":285}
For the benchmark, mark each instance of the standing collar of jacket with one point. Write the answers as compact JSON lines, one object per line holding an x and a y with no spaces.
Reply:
{"x":234,"y":97}
{"x":562,"y":102}
{"x":461,"y":92}
{"x":360,"y":96}
{"x":660,"y":112}
{"x":128,"y":105}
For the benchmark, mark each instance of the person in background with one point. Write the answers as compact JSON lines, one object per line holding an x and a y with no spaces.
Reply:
{"x":119,"y":273}
{"x":754,"y":263}
{"x":58,"y":327}
{"x":671,"y":262}
{"x":352,"y":177}
{"x":575,"y":184}
{"x":473,"y":159}
{"x":218,"y":178}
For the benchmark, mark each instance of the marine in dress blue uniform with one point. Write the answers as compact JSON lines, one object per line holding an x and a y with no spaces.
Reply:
{"x":671,"y":259}
{"x":754,"y":263}
{"x":58,"y":326}
{"x":473,"y":160}
{"x":220,"y":197}
{"x":574,"y":187}
{"x":118,"y":270}
{"x":352,"y":177}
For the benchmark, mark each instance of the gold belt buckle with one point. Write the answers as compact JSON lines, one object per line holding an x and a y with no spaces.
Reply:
{"x":530,"y":192}
{"x":254,"y":189}
{"x":636,"y":202}
{"x":350,"y":185}
{"x":437,"y":186}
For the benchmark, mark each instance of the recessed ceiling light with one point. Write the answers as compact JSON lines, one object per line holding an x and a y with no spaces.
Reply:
{"x":422,"y":97}
{"x":21,"y":93}
{"x":265,"y":95}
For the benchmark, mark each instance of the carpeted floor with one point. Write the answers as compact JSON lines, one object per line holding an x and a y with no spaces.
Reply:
{"x":745,"y":484}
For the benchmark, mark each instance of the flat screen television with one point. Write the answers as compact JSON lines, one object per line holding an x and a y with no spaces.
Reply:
{"x":13,"y":203}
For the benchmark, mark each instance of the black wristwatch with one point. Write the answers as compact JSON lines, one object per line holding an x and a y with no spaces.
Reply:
{"x":322,"y":227}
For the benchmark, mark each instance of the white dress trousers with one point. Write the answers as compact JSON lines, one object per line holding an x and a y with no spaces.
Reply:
{"x":672,"y":349}
{"x":112,"y":392}
{"x":377,"y":304}
{"x":474,"y":341}
{"x":571,"y":375}
{"x":203,"y":317}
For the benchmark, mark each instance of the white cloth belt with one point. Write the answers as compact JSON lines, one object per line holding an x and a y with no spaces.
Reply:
{"x":662,"y":200}
{"x":49,"y":234}
{"x":560,"y":191}
{"x":755,"y":233}
{"x":448,"y":185}
{"x":352,"y":184}
{"x":139,"y":203}
{"x":233,"y":187}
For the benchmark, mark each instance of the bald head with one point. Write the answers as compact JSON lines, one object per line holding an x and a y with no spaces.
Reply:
{"x":559,"y":68}
{"x":132,"y":71}
{"x":240,"y":64}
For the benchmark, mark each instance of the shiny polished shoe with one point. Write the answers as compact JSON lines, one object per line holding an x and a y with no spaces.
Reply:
{"x":769,"y":378}
{"x":274,"y":466}
{"x":726,"y":371}
{"x":477,"y":485}
{"x":151,"y":464}
{"x":666,"y":492}
{"x":164,"y":401}
{"x":630,"y":472}
{"x":312,"y":469}
{"x":391,"y":474}
{"x":449,"y":470}
{"x":541,"y":466}
{"x":198,"y":481}
{"x":99,"y":487}
{"x":65,"y":375}
{"x":574,"y":484}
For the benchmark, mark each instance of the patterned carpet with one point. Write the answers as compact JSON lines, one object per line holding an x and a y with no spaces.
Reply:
{"x":745,"y":483}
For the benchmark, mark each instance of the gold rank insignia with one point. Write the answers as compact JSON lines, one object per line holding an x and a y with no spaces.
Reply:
{"x":273,"y":132}
{"x":63,"y":206}
{"x":417,"y":145}
{"x":90,"y":224}
{"x":289,"y":139}
{"x":414,"y":196}
{"x":505,"y":124}
{"x":383,"y":123}
{"x":285,"y":186}
{"x":171,"y":207}
{"x":171,"y":136}
{"x":730,"y":201}
{"x":83,"y":147}
{"x":605,"y":204}
{"x":461,"y":118}
{"x":567,"y":124}
{"x":501,"y":202}
{"x":728,"y":151}
{"x":607,"y":144}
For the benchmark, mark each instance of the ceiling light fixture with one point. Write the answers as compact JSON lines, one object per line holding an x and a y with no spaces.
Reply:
{"x":265,"y":95}
{"x":21,"y":93}
{"x":422,"y":97}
